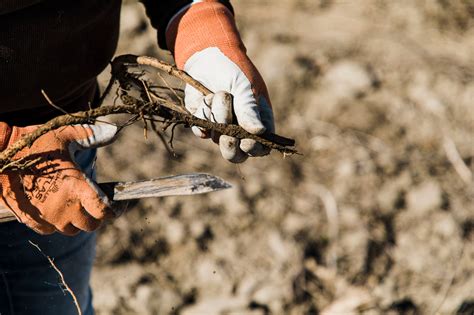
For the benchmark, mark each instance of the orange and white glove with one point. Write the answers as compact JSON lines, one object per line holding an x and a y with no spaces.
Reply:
{"x":54,"y":194}
{"x":207,"y":45}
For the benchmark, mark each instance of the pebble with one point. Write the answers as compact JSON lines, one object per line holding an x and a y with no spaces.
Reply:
{"x":347,"y":79}
{"x":425,"y":197}
{"x":174,"y":232}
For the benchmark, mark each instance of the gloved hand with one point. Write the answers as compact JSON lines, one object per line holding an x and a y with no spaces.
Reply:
{"x":55,"y":195}
{"x":206,"y":44}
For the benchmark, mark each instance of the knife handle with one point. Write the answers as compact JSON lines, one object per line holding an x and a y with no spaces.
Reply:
{"x":108,"y":189}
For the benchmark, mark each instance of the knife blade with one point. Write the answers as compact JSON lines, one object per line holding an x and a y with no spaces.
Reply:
{"x":187,"y":184}
{"x":178,"y":185}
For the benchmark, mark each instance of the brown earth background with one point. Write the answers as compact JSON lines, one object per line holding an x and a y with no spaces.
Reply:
{"x":376,"y":216}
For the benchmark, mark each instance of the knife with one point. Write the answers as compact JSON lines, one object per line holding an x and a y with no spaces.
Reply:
{"x":179,"y":185}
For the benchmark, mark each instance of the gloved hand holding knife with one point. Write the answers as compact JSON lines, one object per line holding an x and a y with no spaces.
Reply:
{"x":55,"y":194}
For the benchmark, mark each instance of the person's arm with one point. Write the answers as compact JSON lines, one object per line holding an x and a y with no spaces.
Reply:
{"x":203,"y":37}
{"x":162,"y":12}
{"x":53,"y":194}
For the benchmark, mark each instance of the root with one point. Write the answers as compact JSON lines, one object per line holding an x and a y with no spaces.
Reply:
{"x":149,"y":106}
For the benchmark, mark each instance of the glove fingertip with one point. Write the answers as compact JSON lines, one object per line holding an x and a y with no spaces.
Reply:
{"x":94,"y":200}
{"x":86,"y":222}
{"x":193,"y":99}
{"x":103,"y":134}
{"x":94,"y":136}
{"x":253,"y":148}
{"x":229,"y":147}
{"x":254,"y":127}
{"x":68,"y":230}
{"x":199,"y":132}
{"x":222,"y":107}
{"x":39,"y":226}
{"x":34,"y":222}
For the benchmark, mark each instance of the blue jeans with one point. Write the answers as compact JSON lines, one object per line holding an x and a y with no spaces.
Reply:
{"x":29,"y":284}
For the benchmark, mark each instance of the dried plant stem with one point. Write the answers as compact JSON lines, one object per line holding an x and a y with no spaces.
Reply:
{"x":61,"y":277}
{"x":70,"y":119}
{"x":171,"y":70}
{"x":456,"y":160}
{"x":89,"y":116}
{"x":162,"y":139}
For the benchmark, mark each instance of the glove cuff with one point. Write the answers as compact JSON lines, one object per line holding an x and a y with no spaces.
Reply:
{"x":5,"y":133}
{"x":205,"y":24}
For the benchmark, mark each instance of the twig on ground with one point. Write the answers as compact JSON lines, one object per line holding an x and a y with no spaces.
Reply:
{"x":444,"y":292}
{"x":61,"y":277}
{"x":455,"y":158}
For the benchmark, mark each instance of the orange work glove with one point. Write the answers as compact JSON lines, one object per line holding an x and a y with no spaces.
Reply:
{"x":206,"y":44}
{"x":54,"y":194}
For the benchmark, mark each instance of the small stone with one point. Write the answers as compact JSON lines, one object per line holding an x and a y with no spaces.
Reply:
{"x":246,"y":286}
{"x":425,"y":197}
{"x":282,"y":250}
{"x":139,"y":302}
{"x":347,"y":79}
{"x":130,"y":18}
{"x":197,"y":228}
{"x":345,"y":168}
{"x":422,"y":94}
{"x":349,"y":303}
{"x":272,"y":294}
{"x":217,"y":306}
{"x":230,"y":201}
{"x":293,"y":223}
{"x":174,"y":232}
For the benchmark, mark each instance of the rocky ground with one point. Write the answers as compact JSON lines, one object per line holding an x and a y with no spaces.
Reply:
{"x":376,"y":216}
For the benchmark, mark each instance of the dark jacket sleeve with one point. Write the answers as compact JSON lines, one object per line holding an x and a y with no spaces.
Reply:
{"x":161,"y":11}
